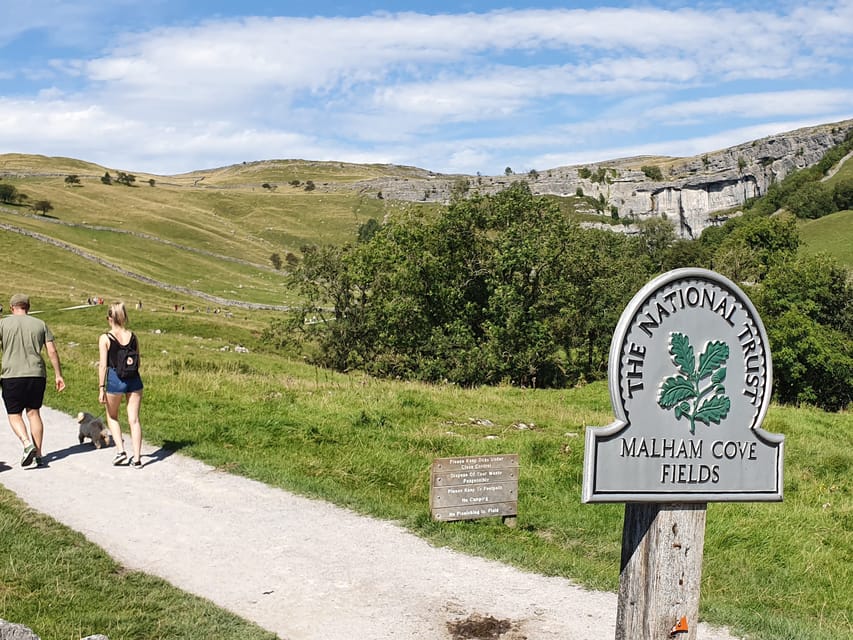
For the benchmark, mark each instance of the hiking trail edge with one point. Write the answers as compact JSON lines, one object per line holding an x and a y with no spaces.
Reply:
{"x":301,"y":568}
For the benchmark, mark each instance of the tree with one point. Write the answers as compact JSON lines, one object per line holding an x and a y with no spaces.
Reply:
{"x":107,"y":178}
{"x":686,"y":253}
{"x":843,"y":195}
{"x":460,"y":188}
{"x":126,"y":179}
{"x":151,"y":182}
{"x":656,"y":236}
{"x":72,"y":179}
{"x":42,"y":206}
{"x":652,"y":172}
{"x":508,"y":171}
{"x":603,"y":271}
{"x":738,"y":263}
{"x":502,"y":288}
{"x":817,"y":285}
{"x":367,"y":230}
{"x":753,"y":244}
{"x":276,"y":261}
{"x":812,"y":200}
{"x":309,"y":185}
{"x":8,"y":193}
{"x":812,"y":363}
{"x":322,"y":280}
{"x":807,"y":305}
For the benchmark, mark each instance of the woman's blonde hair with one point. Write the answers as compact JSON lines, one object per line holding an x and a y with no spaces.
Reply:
{"x":118,"y":313}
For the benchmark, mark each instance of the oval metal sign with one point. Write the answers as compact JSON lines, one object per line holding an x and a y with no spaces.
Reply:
{"x":690,"y":379}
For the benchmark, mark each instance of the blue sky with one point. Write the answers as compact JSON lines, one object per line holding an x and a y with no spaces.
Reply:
{"x":169,"y":86}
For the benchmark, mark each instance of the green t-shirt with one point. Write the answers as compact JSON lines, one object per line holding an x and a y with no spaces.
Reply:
{"x":22,"y":338}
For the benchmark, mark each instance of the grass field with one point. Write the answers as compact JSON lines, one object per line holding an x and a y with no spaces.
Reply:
{"x":780,"y":570}
{"x":775,"y":571}
{"x":832,"y":234}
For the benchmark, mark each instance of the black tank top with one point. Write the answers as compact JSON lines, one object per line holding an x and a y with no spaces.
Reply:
{"x":112,"y":353}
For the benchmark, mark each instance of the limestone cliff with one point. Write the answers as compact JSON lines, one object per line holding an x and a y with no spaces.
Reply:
{"x":691,"y":193}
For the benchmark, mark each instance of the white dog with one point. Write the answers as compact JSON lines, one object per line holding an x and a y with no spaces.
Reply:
{"x":94,"y":429}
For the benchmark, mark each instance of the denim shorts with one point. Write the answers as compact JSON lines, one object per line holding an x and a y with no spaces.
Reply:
{"x":117,"y":385}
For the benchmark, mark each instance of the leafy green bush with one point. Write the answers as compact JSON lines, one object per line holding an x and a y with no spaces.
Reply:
{"x":812,"y":200}
{"x":842,"y":195}
{"x":750,"y":245}
{"x":807,"y":305}
{"x":813,"y":364}
{"x":652,"y":172}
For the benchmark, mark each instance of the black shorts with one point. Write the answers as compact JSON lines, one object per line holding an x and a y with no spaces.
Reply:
{"x":23,"y":393}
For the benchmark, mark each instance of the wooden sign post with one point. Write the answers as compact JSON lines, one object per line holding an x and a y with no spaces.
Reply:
{"x":661,"y":570}
{"x":690,"y":380}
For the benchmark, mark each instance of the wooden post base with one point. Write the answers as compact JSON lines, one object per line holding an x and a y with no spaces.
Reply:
{"x":661,"y":570}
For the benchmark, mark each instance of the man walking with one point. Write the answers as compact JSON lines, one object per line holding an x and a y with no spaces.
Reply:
{"x":23,"y":374}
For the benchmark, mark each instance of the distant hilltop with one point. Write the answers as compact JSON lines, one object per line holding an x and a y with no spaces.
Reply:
{"x":691,"y":193}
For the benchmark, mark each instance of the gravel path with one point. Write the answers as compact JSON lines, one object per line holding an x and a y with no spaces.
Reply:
{"x":303,"y":569}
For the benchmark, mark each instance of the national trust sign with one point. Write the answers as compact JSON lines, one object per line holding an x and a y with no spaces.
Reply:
{"x":690,"y":382}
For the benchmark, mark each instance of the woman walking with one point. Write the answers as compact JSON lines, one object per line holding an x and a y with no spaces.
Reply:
{"x":118,"y":375}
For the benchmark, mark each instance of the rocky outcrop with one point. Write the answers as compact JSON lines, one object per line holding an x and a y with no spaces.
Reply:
{"x":14,"y":631}
{"x":691,"y":194}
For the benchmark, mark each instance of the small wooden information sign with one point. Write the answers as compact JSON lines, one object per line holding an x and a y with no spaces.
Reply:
{"x":472,"y":487}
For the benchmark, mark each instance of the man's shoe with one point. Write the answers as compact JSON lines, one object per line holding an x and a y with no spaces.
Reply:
{"x":29,"y":455}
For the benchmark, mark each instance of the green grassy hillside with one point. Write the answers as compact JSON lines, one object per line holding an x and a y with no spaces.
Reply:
{"x":832,"y":234}
{"x":216,"y":238}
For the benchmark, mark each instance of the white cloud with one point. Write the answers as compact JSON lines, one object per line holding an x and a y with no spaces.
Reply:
{"x":760,"y":105}
{"x":442,"y":91}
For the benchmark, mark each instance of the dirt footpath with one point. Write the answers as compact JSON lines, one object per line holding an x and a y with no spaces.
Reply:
{"x":303,"y":569}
